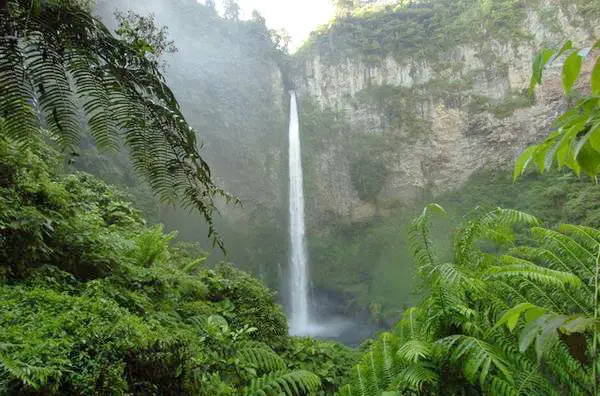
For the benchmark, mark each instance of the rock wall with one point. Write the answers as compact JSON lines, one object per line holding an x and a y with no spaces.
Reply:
{"x":432,"y":123}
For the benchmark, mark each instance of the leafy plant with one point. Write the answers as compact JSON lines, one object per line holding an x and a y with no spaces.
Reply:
{"x":57,"y":60}
{"x":575,"y":142}
{"x":95,"y":301}
{"x":455,"y":341}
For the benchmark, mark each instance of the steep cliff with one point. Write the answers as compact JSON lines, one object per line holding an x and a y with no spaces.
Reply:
{"x":226,"y":75}
{"x":422,"y":96}
{"x":403,"y":104}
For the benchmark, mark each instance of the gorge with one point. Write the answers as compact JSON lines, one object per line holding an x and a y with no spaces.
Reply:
{"x":398,"y":107}
{"x":407,"y":204}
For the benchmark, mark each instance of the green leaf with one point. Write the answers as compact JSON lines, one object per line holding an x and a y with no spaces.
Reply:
{"x":539,"y":63}
{"x":571,"y":69}
{"x":592,"y":136}
{"x":531,"y":331}
{"x":595,"y":78}
{"x":534,"y":313}
{"x":589,"y":160}
{"x":577,"y":324}
{"x":523,"y":160}
{"x":511,"y":317}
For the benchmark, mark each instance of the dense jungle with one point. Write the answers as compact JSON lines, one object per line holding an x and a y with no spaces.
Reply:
{"x":403,"y":202}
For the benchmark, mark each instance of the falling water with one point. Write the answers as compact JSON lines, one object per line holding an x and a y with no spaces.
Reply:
{"x":299,"y":317}
{"x":301,"y":321}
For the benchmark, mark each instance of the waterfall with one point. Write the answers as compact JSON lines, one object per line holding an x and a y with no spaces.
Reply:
{"x":299,"y":316}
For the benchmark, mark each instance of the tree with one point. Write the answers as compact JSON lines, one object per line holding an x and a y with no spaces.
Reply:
{"x":232,"y":9}
{"x":281,"y":39}
{"x":258,"y":18}
{"x":345,"y":7}
{"x":58,"y":60}
{"x":211,"y":4}
{"x":142,"y":33}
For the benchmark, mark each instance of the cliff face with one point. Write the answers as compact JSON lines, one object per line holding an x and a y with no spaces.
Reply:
{"x":428,"y":123}
{"x":226,"y":75}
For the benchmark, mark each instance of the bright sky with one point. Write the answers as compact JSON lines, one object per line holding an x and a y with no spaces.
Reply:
{"x":298,"y":17}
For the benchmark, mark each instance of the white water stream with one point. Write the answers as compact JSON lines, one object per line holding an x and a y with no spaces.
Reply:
{"x":299,"y":315}
{"x":302,"y":321}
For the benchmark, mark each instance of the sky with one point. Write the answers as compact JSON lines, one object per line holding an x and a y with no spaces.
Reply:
{"x":298,"y":17}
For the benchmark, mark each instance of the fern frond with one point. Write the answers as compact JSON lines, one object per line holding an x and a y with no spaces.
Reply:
{"x":418,"y":237}
{"x":292,"y":383}
{"x":415,"y":376}
{"x":488,"y":225}
{"x":261,"y":357}
{"x":567,"y":249}
{"x":516,"y":267}
{"x":59,"y":57}
{"x":414,"y":351}
{"x":18,"y":98}
{"x":479,"y":360}
{"x":588,"y":237}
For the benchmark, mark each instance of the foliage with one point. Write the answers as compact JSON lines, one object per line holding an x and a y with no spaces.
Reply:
{"x":97,"y":302}
{"x":372,"y":31}
{"x":223,"y":76}
{"x":59,"y":61}
{"x":331,"y":361}
{"x":575,"y":142}
{"x":142,"y":33}
{"x":368,"y":176}
{"x":367,"y":263}
{"x":455,"y":342}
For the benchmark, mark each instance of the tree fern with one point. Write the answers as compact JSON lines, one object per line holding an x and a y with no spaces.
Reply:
{"x":58,"y":59}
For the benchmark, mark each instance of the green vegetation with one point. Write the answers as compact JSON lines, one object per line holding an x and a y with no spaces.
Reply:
{"x":374,"y":31}
{"x":96,"y":299}
{"x":501,"y":108}
{"x":56,"y":59}
{"x":370,"y":264}
{"x":368,"y":177}
{"x":97,"y":302}
{"x":225,"y":74}
{"x":455,"y":340}
{"x":575,"y":143}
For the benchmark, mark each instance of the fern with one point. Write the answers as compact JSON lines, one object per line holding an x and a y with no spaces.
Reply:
{"x":515,"y":267}
{"x":455,"y":338}
{"x":292,"y":383}
{"x":418,"y":239}
{"x":57,"y":59}
{"x":487,"y":226}
{"x":261,"y":357}
{"x":481,"y":359}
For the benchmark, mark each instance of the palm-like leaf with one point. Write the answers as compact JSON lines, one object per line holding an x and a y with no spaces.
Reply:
{"x":292,"y":383}
{"x":58,"y":59}
{"x":455,"y":339}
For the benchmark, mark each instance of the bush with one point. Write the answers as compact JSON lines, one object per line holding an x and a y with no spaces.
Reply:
{"x":96,"y":302}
